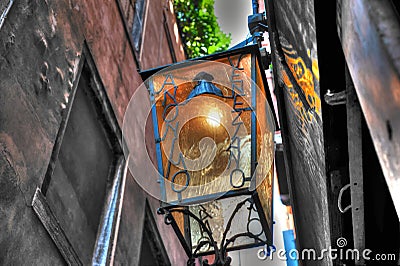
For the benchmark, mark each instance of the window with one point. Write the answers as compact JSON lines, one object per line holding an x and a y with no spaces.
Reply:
{"x":137,"y":27}
{"x":82,"y":169}
{"x":133,"y":13}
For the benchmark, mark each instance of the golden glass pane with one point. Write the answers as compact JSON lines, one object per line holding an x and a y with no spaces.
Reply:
{"x":265,"y":195}
{"x":265,"y":149}
{"x":210,"y":139}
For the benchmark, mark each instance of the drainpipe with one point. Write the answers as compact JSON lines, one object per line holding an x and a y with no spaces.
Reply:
{"x":254,"y":22}
{"x":255,"y":6}
{"x":5,"y":12}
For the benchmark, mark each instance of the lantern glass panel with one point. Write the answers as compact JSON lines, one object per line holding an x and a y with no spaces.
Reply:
{"x":221,"y":214}
{"x":265,"y":150}
{"x":208,"y":154}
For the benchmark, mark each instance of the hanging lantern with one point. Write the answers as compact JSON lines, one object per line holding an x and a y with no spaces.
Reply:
{"x":214,"y":132}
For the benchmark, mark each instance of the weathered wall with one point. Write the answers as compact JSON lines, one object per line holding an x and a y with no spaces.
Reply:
{"x":296,"y":68}
{"x":156,"y":38}
{"x":369,"y":32}
{"x":40,"y":48}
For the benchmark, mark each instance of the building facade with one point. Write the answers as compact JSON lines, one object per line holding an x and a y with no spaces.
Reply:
{"x":67,"y":72}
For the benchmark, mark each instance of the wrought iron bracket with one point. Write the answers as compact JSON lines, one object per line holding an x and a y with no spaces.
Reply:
{"x":337,"y":98}
{"x":220,"y":251}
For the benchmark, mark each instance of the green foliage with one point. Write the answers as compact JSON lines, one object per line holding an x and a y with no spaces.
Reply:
{"x":199,"y":27}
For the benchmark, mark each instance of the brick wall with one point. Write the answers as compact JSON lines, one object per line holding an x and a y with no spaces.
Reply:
{"x":40,"y":48}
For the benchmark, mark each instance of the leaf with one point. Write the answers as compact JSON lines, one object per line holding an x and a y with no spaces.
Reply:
{"x":199,"y":27}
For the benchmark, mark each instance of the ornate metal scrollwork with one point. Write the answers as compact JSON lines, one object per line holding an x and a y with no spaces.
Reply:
{"x":220,"y":251}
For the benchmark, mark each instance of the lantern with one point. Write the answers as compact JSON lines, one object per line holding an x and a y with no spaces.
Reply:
{"x":214,"y":131}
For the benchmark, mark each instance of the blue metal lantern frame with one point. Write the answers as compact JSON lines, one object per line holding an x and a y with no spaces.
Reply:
{"x":253,"y":200}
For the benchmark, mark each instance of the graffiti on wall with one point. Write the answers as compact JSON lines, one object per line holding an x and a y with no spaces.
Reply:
{"x":307,"y":77}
